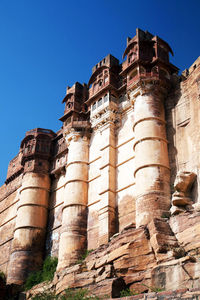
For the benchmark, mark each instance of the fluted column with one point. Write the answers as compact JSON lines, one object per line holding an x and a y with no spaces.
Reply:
{"x":29,"y":235}
{"x":152,"y":171}
{"x":73,"y":239}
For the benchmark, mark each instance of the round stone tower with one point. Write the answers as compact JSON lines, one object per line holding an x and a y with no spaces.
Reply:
{"x":29,"y":234}
{"x":73,"y":239}
{"x":152,"y":173}
{"x":147,"y":70}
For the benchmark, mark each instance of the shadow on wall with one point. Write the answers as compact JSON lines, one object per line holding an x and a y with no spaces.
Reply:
{"x":170,"y":104}
{"x":53,"y":229}
{"x":195,"y":188}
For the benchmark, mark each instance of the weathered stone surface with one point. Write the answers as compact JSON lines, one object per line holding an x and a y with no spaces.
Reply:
{"x":170,"y":275}
{"x":173,"y":295}
{"x":137,"y":263}
{"x":101,"y":261}
{"x":84,"y":279}
{"x":106,"y":271}
{"x":65,"y":278}
{"x":187,"y":230}
{"x":117,"y":253}
{"x":175,"y":210}
{"x":40,"y":288}
{"x":108,"y":288}
{"x":162,"y":238}
{"x":184,"y":181}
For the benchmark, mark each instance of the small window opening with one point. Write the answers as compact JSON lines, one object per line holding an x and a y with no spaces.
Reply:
{"x":121,"y":99}
{"x":94,"y":106}
{"x":100,"y":102}
{"x":106,"y":98}
{"x":106,"y":79}
{"x":95,"y":87}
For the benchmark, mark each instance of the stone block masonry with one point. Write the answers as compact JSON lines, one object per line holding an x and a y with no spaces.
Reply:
{"x":119,"y":179}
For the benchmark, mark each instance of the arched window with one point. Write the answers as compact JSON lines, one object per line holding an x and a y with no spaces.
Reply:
{"x":100,"y":82}
{"x":106,"y":79}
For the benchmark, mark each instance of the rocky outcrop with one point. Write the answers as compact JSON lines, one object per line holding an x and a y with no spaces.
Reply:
{"x":120,"y":263}
{"x":175,"y":295}
{"x":162,"y":256}
{"x":182,"y":197}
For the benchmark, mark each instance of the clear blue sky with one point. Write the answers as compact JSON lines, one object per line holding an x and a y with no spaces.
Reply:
{"x":46,"y":45}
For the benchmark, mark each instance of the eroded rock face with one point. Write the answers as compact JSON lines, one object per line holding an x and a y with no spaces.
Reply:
{"x":181,"y":197}
{"x":184,"y":181}
{"x":112,"y":267}
{"x":163,"y":256}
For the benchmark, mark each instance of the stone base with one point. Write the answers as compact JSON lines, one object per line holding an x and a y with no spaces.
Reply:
{"x":163,"y":256}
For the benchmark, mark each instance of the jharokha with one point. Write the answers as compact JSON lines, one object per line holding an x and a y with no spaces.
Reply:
{"x":121,"y":178}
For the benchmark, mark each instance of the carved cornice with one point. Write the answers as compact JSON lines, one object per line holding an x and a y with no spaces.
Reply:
{"x":104,"y":117}
{"x":142,"y":87}
{"x":73,"y":135}
{"x":14,"y":175}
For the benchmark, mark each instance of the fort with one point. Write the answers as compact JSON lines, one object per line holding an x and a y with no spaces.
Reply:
{"x":120,"y":178}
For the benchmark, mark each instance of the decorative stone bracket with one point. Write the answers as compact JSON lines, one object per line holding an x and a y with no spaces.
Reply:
{"x":107,"y":115}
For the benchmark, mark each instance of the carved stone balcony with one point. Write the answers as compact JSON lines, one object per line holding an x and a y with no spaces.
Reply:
{"x":78,"y":124}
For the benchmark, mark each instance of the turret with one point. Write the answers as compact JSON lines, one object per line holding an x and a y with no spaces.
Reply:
{"x":147,"y":57}
{"x":103,"y":84}
{"x":76,"y":128}
{"x":103,"y":105}
{"x":148,"y":70}
{"x":76,"y":111}
{"x":29,"y":234}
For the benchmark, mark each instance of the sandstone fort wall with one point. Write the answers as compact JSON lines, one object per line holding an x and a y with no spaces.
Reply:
{"x":121,"y":178}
